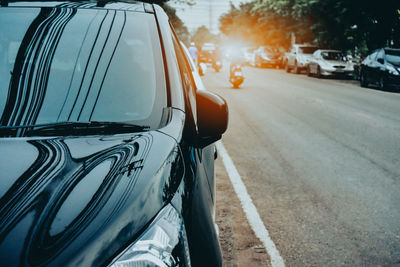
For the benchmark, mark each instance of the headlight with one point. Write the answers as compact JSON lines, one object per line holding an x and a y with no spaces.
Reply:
{"x":163,"y":243}
{"x":392,"y":70}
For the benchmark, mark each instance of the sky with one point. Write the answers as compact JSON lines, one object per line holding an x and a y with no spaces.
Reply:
{"x":204,"y":12}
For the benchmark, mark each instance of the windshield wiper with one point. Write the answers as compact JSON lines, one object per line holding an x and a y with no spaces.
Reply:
{"x":72,"y":128}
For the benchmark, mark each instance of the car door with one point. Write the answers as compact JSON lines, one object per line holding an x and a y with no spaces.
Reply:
{"x":204,"y":157}
{"x":379,"y":66}
{"x":201,"y":164}
{"x":368,"y":67}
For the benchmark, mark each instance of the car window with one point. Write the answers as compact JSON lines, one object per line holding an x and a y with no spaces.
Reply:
{"x":270,"y":50}
{"x":373,"y":56}
{"x":381,"y":54}
{"x":188,"y":57}
{"x":393,"y":56}
{"x":333,"y":55}
{"x":186,"y":76}
{"x":82,"y":65}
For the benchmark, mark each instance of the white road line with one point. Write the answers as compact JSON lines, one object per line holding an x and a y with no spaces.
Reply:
{"x":248,"y":207}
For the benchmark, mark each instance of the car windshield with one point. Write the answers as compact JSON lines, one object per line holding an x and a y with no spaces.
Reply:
{"x":393,"y":56}
{"x":307,"y":49}
{"x":270,"y":50}
{"x":79,"y":65}
{"x":333,"y":55}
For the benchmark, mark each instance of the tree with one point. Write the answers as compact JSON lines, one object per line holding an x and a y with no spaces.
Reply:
{"x":180,"y":29}
{"x":203,"y":35}
{"x":342,"y":24}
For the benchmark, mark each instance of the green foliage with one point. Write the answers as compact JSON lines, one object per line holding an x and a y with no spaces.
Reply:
{"x":180,"y":29}
{"x":203,"y":35}
{"x":343,"y":24}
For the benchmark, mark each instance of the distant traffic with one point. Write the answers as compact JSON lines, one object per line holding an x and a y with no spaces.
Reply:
{"x":380,"y":68}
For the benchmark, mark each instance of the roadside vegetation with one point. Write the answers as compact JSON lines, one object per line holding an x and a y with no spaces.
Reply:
{"x":356,"y":25}
{"x":180,"y":28}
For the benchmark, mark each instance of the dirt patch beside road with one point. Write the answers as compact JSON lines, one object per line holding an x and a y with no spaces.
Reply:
{"x":240,"y":246}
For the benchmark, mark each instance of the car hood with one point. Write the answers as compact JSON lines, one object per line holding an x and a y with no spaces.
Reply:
{"x":77,"y":201}
{"x":271,"y":55}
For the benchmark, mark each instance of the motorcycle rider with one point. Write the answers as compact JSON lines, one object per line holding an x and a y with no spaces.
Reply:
{"x":193,"y":51}
{"x":235,"y":69}
{"x":236,"y":61}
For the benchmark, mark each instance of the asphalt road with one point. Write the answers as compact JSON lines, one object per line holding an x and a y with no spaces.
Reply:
{"x":321,"y":160}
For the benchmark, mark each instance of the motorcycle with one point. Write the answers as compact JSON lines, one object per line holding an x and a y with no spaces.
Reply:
{"x":202,"y":68}
{"x":236,"y":76}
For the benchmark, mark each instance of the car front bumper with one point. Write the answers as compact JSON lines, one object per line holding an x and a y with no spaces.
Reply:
{"x":337,"y":72}
{"x":393,"y":80}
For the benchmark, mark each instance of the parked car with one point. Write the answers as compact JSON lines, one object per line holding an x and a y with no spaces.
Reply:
{"x":329,"y":63}
{"x":381,"y":67}
{"x":298,"y":57}
{"x":267,"y":56}
{"x":107,"y":145}
{"x":210,"y":54}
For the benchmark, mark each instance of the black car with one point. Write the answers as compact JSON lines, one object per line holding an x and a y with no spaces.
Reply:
{"x":382,"y":67}
{"x":106,"y":145}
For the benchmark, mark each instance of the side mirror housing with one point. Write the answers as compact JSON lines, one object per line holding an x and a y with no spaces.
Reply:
{"x":212,"y":117}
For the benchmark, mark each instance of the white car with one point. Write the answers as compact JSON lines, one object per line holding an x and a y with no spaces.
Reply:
{"x":299,"y":57}
{"x":329,"y":63}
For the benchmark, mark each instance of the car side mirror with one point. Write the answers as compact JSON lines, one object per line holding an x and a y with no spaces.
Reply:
{"x":381,"y":61}
{"x":212,"y":117}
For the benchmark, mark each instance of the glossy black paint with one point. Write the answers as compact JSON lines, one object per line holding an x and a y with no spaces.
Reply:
{"x":212,"y":118}
{"x":374,"y":69}
{"x":81,"y":200}
{"x":63,"y":197}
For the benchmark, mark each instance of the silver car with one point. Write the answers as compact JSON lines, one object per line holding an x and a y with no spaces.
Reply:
{"x":329,"y":63}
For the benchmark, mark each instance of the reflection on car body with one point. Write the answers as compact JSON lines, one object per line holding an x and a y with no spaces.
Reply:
{"x":328,"y":63}
{"x":107,"y":154}
{"x":381,"y":67}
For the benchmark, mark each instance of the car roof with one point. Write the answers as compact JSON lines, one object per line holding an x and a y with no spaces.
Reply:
{"x":124,"y":5}
{"x":392,"y":49}
{"x":305,"y":45}
{"x":330,"y":50}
